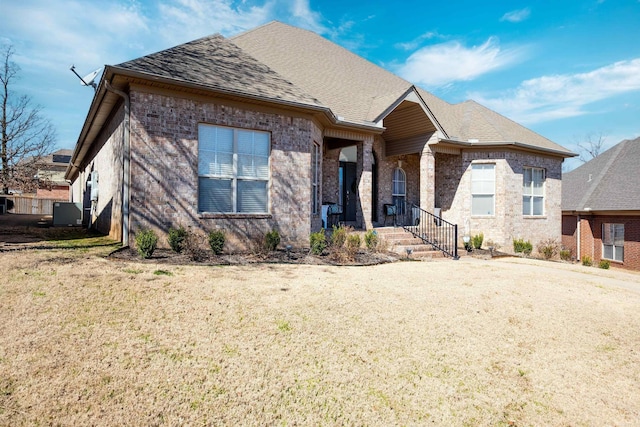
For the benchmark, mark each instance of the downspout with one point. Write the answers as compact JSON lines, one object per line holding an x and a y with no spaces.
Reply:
{"x":126,"y":170}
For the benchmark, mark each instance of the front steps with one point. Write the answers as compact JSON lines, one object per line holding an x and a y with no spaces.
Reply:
{"x":399,"y":240}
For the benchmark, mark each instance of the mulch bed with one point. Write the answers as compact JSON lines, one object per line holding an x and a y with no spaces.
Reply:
{"x":280,"y":256}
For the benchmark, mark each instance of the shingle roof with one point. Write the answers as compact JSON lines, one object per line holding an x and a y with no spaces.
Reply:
{"x":349,"y":84}
{"x":215,"y":62}
{"x":609,"y":182}
{"x":360,"y":91}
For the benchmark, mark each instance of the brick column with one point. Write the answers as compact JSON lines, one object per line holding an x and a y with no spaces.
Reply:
{"x":427,"y":177}
{"x":365,"y":186}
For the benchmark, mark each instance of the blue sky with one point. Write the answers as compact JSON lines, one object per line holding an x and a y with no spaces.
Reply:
{"x":565,"y":69}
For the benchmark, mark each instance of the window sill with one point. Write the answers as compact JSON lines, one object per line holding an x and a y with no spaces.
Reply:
{"x":534,"y":216}
{"x":204,"y":215}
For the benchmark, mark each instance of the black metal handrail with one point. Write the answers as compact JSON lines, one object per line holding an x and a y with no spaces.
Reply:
{"x":431,"y":229}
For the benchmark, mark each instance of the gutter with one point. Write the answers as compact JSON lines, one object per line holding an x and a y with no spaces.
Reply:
{"x":126,"y":160}
{"x":490,"y":144}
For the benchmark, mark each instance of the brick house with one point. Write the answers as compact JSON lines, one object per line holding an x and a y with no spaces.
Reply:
{"x":270,"y":128}
{"x":601,"y":207}
{"x":50,"y":173}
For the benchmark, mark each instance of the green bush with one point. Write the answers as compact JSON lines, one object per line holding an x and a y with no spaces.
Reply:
{"x":548,"y":248}
{"x":477,"y":240}
{"x":565,"y":254}
{"x":177,"y":237}
{"x":146,"y":242}
{"x":271,"y":240}
{"x":352,"y":245}
{"x":605,"y":264}
{"x":587,"y":261}
{"x":338,"y":236}
{"x":216,"y":241}
{"x":371,"y":240}
{"x":318,"y":242}
{"x":520,"y":246}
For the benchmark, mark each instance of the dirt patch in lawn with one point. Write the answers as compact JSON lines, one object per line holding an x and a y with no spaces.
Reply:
{"x":90,"y":340}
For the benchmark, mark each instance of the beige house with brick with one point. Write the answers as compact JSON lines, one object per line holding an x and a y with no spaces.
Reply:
{"x":279,"y":128}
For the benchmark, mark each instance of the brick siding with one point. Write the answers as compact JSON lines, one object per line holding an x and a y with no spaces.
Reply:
{"x":164,"y":169}
{"x":591,"y":238}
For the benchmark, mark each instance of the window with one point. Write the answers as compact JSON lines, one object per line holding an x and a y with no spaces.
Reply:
{"x":533,"y":191}
{"x":399,"y":190}
{"x":483,"y":189}
{"x":233,"y":170}
{"x":315,"y":177}
{"x":613,"y":241}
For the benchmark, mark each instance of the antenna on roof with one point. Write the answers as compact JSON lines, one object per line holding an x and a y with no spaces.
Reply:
{"x":89,"y":79}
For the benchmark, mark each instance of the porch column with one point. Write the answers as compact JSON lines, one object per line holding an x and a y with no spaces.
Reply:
{"x":365,"y":186}
{"x":428,"y":176}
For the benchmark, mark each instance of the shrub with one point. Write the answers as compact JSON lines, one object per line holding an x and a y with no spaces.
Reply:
{"x":605,"y":264}
{"x":318,"y":242}
{"x":193,"y":246}
{"x":565,"y":254}
{"x":146,"y":242}
{"x":548,"y":248}
{"x":176,"y":239}
{"x":338,"y":236}
{"x":520,"y":246}
{"x":587,"y":261}
{"x":352,"y":245}
{"x":216,"y":241}
{"x":477,"y":240}
{"x":272,"y":240}
{"x":371,"y":240}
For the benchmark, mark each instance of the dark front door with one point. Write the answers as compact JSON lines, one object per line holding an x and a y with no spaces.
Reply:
{"x":349,"y":187}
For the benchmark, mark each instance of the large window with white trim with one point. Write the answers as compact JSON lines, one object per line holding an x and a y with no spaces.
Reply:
{"x":483,"y":189}
{"x":233,"y":170}
{"x":533,"y":191}
{"x":613,"y":241}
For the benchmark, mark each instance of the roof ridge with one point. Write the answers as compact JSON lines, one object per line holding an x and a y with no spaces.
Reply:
{"x":596,"y":182}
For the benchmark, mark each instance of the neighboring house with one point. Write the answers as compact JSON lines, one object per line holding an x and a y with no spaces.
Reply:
{"x":601,"y":207}
{"x":50,"y":175}
{"x":263,"y":130}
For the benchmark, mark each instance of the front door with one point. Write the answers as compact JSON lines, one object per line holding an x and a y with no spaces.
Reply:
{"x":349,"y":190}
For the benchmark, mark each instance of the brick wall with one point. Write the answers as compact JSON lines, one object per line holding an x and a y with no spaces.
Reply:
{"x":591,"y":238}
{"x":453,"y":195}
{"x":570,"y":234}
{"x":57,"y":192}
{"x":106,"y":158}
{"x":164,"y":168}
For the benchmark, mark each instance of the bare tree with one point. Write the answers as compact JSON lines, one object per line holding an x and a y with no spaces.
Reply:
{"x":591,"y":146}
{"x":26,"y":135}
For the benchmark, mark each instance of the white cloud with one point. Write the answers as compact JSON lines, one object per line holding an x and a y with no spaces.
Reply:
{"x":516,"y":15}
{"x":559,"y":96}
{"x":184,"y":20}
{"x":442,"y":64}
{"x":413,"y":44}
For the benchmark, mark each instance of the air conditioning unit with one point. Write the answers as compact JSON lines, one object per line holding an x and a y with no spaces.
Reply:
{"x":67,"y":214}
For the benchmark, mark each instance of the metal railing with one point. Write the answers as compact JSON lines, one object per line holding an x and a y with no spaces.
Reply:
{"x":431,"y":229}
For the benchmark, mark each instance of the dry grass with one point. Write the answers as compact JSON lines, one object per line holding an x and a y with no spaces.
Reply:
{"x":90,"y":341}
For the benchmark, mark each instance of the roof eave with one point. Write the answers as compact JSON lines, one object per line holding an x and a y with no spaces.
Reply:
{"x":82,"y":148}
{"x":520,"y":145}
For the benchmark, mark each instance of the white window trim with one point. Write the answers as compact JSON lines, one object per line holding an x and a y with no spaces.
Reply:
{"x":234,"y":177}
{"x":530,"y":194}
{"x":493,"y":194}
{"x":613,"y":245}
